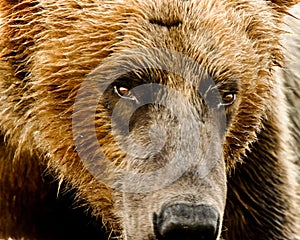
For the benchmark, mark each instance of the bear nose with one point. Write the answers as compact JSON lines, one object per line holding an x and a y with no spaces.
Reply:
{"x":187,"y":222}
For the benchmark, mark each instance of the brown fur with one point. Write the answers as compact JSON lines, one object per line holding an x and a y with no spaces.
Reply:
{"x":48,"y":48}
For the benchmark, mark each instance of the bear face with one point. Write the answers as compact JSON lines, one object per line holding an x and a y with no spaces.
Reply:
{"x":152,"y":125}
{"x":151,"y":108}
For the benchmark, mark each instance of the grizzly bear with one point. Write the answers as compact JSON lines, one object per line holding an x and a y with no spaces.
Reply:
{"x":149,"y":120}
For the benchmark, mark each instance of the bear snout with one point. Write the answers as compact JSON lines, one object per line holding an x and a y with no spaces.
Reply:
{"x":187,"y":222}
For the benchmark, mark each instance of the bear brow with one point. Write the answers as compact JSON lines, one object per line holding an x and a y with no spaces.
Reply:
{"x":228,"y":85}
{"x":165,"y":23}
{"x":135,"y":78}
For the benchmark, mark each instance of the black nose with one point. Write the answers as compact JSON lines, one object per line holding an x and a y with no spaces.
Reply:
{"x":187,"y":222}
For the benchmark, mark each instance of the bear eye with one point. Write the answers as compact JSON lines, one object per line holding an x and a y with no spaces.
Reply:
{"x":228,"y":99}
{"x":124,"y":93}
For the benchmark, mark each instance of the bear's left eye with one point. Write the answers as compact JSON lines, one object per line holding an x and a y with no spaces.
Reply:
{"x":124,"y":93}
{"x":228,"y":99}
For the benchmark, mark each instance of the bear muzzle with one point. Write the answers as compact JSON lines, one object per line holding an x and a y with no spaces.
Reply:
{"x":187,"y":222}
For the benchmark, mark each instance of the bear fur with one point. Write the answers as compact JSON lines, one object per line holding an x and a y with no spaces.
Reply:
{"x":47,"y":51}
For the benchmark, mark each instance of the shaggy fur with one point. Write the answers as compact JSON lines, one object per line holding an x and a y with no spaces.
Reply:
{"x":49,"y":47}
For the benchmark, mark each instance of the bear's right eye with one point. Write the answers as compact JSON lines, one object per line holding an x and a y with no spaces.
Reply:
{"x":124,"y":93}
